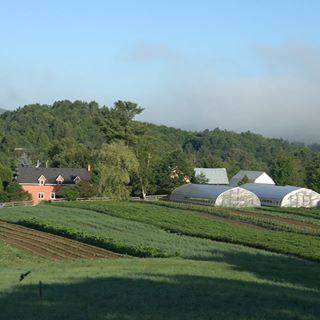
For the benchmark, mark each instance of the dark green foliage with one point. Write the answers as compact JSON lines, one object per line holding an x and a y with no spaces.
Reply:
{"x":14,"y":192}
{"x":116,"y":123}
{"x":244,"y":180}
{"x":313,"y":173}
{"x":282,"y":169}
{"x":173,"y":170}
{"x":5,"y":174}
{"x":68,"y":193}
{"x":85,"y":189}
{"x":70,"y":134}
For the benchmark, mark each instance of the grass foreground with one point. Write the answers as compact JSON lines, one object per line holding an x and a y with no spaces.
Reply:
{"x":208,"y":280}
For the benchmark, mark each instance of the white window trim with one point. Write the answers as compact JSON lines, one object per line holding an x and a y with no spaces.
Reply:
{"x":52,"y":195}
{"x":40,"y":195}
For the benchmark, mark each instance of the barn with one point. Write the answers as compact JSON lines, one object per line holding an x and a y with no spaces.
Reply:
{"x":284,"y":196}
{"x":215,"y":195}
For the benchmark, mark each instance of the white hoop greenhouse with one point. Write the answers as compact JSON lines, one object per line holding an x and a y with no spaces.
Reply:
{"x":215,"y":195}
{"x":284,"y":196}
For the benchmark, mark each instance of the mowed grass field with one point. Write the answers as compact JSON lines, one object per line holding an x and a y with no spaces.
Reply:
{"x":199,"y":278}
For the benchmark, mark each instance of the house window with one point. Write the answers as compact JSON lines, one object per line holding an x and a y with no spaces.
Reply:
{"x":53,"y":195}
{"x":77,"y":179}
{"x":59,"y":179}
{"x":40,"y":195}
{"x":42,"y":180}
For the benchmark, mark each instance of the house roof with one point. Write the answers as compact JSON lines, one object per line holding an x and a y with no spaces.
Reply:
{"x":252,"y":176}
{"x":32,"y":174}
{"x":269,"y":191}
{"x":215,"y":175}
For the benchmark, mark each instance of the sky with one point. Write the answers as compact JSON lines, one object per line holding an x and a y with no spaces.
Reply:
{"x":238,"y":65}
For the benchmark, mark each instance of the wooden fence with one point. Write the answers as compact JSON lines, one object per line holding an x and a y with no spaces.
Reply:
{"x":30,"y":203}
{"x":147,"y":198}
{"x":16,"y":204}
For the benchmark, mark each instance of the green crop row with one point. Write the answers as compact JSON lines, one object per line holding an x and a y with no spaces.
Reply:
{"x":186,"y":223}
{"x":244,"y":215}
{"x":138,"y":250}
{"x":303,"y":212}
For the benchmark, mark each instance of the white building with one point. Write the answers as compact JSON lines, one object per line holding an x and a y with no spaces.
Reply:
{"x":253,"y":177}
{"x":214,"y":175}
{"x":283,"y":196}
{"x":214,"y":195}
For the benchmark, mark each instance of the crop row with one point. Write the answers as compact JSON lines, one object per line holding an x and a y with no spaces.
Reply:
{"x":186,"y":223}
{"x":313,"y":213}
{"x":138,"y":250}
{"x":260,"y":219}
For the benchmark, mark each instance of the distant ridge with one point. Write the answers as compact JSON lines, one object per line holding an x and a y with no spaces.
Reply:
{"x":2,"y":110}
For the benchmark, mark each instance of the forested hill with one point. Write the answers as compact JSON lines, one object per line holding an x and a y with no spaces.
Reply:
{"x":2,"y":110}
{"x":71,"y":133}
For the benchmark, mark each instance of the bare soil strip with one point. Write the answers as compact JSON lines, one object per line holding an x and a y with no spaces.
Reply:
{"x":50,"y":246}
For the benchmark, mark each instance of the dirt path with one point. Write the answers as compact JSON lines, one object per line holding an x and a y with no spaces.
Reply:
{"x":50,"y":246}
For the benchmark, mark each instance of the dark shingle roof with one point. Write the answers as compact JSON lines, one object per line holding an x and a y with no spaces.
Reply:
{"x":32,"y":174}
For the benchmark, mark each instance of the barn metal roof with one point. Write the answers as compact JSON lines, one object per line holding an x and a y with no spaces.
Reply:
{"x":215,"y":175}
{"x":32,"y":174}
{"x":269,"y":191}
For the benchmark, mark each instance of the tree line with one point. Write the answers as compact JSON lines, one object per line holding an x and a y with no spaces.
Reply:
{"x":135,"y":158}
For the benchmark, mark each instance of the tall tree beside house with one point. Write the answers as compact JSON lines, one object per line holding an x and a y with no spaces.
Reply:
{"x":85,"y":189}
{"x":5,"y":175}
{"x":14,"y":192}
{"x":116,"y":162}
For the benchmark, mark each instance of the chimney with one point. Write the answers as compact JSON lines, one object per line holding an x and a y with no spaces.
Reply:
{"x":89,"y":167}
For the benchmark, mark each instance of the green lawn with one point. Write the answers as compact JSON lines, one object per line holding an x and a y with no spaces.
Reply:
{"x":209,"y":279}
{"x":231,"y":285}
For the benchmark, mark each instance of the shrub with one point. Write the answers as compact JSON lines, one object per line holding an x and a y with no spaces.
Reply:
{"x":70,"y":194}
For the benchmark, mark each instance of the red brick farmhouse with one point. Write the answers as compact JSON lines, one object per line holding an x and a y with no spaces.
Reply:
{"x":43,"y":183}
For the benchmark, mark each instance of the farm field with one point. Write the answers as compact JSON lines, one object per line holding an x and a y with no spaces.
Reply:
{"x":186,"y":222}
{"x":49,"y":246}
{"x":199,"y":278}
{"x":273,"y":218}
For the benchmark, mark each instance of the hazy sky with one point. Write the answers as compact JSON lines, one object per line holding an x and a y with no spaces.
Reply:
{"x":238,"y":65}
